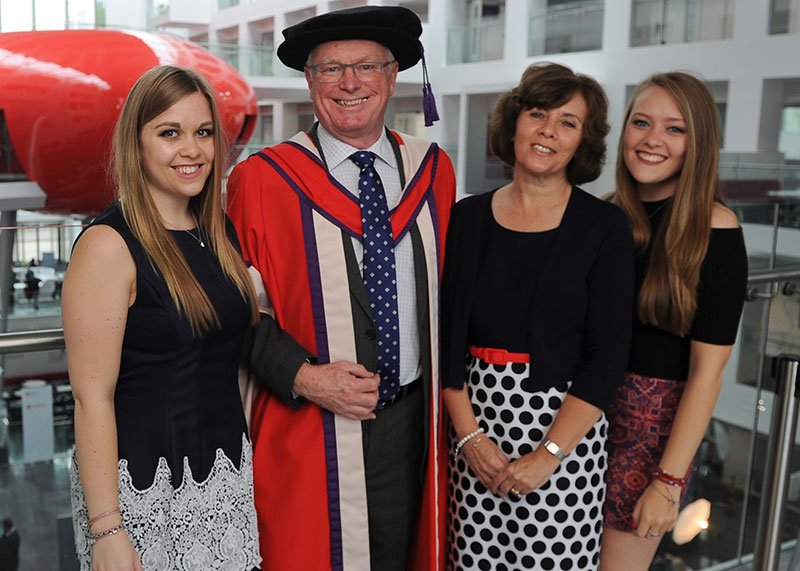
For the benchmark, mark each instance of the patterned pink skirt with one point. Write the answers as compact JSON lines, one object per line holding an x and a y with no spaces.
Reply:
{"x":640,"y":420}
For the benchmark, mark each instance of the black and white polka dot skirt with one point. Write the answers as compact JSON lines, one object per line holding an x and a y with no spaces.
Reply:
{"x":557,"y":526}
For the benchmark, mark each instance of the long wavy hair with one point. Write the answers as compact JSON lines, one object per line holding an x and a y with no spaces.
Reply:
{"x":668,"y":298}
{"x":153,"y":93}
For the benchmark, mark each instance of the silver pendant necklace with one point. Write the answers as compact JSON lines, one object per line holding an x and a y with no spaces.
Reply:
{"x":199,"y":237}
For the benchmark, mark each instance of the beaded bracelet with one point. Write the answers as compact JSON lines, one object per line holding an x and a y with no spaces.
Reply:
{"x":669,"y":479}
{"x":467,"y":438}
{"x":95,"y":537}
{"x":96,"y":518}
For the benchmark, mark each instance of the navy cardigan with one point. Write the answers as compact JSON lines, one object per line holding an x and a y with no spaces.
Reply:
{"x":582,"y":305}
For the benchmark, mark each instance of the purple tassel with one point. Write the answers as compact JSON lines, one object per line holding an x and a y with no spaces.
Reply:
{"x":428,"y":100}
{"x":429,"y":105}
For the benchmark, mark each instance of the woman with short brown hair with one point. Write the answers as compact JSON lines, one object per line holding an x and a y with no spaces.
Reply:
{"x":537,"y":292}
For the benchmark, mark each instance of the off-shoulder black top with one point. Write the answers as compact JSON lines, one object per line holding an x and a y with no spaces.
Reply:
{"x":658,"y":353}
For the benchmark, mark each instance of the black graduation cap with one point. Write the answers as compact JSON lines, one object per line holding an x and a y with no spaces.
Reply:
{"x":395,"y":27}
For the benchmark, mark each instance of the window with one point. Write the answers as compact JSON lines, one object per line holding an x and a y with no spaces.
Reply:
{"x":478,"y":32}
{"x":677,"y":21}
{"x":559,"y":26}
{"x":784,"y":17}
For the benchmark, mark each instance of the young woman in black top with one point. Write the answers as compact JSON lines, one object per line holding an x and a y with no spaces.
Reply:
{"x":691,"y":275}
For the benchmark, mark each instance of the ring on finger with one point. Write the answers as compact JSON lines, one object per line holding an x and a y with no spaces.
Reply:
{"x":652,"y":533}
{"x":515,"y":491}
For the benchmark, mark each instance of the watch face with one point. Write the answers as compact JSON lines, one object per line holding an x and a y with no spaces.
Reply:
{"x":554,"y":449}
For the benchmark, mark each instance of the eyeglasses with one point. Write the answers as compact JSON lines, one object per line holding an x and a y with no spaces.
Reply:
{"x":364,"y":70}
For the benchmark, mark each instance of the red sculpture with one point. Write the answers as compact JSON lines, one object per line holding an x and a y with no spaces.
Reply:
{"x":61,"y":93}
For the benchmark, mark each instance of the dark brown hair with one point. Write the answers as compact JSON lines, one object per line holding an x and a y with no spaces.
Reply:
{"x":548,"y":86}
{"x":668,"y":298}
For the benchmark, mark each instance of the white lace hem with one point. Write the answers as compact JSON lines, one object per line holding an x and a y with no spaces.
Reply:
{"x":199,"y":526}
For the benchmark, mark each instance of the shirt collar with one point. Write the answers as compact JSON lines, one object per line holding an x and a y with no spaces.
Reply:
{"x":336,"y":151}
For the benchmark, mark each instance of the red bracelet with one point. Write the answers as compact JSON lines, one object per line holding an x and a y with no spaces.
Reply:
{"x":669,"y":479}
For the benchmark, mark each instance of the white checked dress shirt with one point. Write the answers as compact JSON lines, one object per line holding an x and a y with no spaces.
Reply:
{"x":337,"y":155}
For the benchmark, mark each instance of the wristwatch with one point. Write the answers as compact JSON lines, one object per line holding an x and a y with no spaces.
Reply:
{"x":553,"y":449}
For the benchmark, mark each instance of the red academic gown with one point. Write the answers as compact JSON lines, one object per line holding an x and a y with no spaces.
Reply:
{"x":308,"y":463}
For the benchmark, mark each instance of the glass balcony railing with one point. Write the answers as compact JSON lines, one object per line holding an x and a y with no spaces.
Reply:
{"x":251,"y":60}
{"x":762,"y":193}
{"x":476,"y":42}
{"x":679,"y":21}
{"x":253,"y":146}
{"x":568,"y":27}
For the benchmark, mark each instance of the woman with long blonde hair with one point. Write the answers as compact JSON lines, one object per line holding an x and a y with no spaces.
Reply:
{"x":691,"y":275}
{"x":156,"y":303}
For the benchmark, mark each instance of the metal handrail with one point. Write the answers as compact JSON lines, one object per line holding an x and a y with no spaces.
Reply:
{"x":31,"y":341}
{"x":772,"y":275}
{"x":773,"y":279}
{"x":779,"y":457}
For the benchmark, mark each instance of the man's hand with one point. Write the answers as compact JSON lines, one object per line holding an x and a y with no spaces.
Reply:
{"x":344,"y":388}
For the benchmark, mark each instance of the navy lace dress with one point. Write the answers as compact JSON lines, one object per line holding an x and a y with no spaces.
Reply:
{"x":185,"y":460}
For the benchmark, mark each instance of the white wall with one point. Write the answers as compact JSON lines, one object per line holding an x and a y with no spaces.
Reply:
{"x":126,"y":14}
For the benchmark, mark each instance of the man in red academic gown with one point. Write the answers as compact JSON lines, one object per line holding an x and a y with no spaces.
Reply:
{"x":345,"y":224}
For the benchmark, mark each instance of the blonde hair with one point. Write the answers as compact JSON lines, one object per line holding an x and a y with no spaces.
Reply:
{"x":668,"y":298}
{"x":153,"y":93}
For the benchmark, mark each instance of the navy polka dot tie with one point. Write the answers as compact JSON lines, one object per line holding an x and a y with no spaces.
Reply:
{"x":380,"y":279}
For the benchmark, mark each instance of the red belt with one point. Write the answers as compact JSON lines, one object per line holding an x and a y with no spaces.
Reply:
{"x":499,"y":356}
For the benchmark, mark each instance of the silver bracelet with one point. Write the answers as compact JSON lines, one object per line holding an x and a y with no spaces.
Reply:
{"x":467,"y":438}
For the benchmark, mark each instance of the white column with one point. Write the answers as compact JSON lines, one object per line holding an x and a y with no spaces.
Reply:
{"x":772,"y":101}
{"x":278,"y":130}
{"x":516,"y":27}
{"x":245,"y":48}
{"x":744,"y":115}
{"x":536,"y":20}
{"x":751,"y":19}
{"x":278,"y":69}
{"x":475,"y":149}
{"x":616,"y":27}
{"x":463,"y":132}
{"x":126,"y":14}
